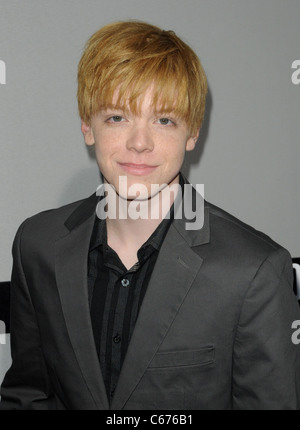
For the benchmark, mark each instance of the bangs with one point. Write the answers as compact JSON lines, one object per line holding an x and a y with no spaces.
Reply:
{"x":167,"y":98}
{"x":125,"y":86}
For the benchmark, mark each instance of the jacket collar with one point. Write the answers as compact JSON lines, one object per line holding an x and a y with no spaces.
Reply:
{"x":83,"y":212}
{"x":191,"y":218}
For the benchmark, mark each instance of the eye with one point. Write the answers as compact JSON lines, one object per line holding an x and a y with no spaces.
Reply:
{"x":115,"y":118}
{"x":165,"y":121}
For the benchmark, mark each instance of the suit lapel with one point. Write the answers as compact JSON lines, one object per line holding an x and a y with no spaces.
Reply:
{"x":71,"y":275}
{"x":173,"y":276}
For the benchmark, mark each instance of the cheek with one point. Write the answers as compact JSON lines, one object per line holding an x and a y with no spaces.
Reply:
{"x":176,"y":153}
{"x":104,"y":147}
{"x":102,"y":156}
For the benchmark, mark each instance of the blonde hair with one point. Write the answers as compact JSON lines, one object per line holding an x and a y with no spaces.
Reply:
{"x":132,"y":55}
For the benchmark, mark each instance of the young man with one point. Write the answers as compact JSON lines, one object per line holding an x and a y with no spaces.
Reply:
{"x":116,"y":311}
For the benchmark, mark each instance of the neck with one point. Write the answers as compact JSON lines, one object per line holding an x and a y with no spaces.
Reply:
{"x":136,"y":220}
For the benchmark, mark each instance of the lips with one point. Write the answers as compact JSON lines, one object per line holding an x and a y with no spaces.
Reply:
{"x":137,"y":169}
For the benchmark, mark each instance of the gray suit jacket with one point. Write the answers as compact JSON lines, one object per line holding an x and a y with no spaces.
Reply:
{"x":214,"y":330}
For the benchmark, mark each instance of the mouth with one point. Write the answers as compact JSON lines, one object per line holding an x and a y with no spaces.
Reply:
{"x":137,"y":169}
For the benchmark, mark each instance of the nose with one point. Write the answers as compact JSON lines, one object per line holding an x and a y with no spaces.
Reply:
{"x":140,"y":139}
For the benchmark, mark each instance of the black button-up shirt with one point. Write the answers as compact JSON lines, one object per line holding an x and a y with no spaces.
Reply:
{"x":116,"y":294}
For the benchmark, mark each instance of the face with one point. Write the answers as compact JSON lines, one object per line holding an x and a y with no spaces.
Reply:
{"x":146,"y":149}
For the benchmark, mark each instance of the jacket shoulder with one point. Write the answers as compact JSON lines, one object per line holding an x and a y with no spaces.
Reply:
{"x":220,"y":216}
{"x":242,"y":242}
{"x":51,"y":223}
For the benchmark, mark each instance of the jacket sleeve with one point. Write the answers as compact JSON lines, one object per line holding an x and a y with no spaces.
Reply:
{"x":265,"y":360}
{"x":26,"y":384}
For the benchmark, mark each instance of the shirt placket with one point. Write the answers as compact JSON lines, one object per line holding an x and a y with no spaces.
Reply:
{"x":123,"y":285}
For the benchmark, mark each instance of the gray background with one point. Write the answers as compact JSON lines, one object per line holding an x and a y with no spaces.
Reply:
{"x":248,"y":154}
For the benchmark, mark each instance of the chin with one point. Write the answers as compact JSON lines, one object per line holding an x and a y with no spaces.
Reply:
{"x":135,"y":192}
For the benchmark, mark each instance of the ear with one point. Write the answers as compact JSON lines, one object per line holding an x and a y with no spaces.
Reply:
{"x":87,"y":133}
{"x":191,"y":142}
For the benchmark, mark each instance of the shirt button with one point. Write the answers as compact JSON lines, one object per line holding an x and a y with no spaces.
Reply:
{"x":117,"y":338}
{"x":125,"y":282}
